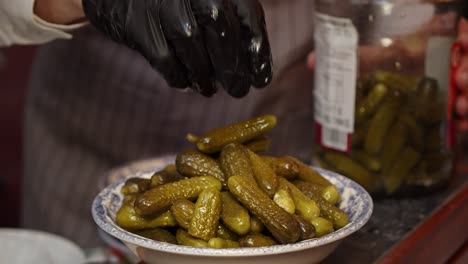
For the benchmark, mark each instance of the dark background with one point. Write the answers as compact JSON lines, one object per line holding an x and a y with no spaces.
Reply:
{"x":15,"y":64}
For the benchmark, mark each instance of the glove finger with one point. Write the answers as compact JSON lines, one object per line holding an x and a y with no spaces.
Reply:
{"x":145,"y":34}
{"x":222,"y":36}
{"x":95,"y":11}
{"x":184,"y":35}
{"x":254,"y":33}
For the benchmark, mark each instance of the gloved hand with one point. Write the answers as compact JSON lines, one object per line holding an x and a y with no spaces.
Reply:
{"x":192,"y":43}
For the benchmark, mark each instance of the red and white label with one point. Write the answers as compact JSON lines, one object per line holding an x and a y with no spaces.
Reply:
{"x":335,"y":80}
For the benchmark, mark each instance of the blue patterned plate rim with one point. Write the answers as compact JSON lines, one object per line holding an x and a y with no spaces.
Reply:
{"x":104,"y":221}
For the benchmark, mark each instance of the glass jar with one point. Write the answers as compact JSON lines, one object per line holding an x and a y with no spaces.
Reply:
{"x":382,"y":90}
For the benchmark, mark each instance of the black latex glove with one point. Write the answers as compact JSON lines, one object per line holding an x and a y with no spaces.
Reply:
{"x":192,"y":43}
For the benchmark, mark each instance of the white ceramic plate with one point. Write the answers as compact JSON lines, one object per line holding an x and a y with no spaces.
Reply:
{"x":21,"y":246}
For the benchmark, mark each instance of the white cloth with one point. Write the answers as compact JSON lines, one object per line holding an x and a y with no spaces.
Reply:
{"x":19,"y":25}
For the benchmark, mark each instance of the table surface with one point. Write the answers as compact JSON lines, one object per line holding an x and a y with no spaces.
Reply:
{"x":388,"y":236}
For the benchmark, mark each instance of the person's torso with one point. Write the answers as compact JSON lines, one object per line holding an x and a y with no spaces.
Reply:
{"x":104,"y":87}
{"x":94,"y":105}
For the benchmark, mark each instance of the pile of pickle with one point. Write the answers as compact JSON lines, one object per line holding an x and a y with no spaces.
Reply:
{"x":398,"y":146}
{"x":224,"y":194}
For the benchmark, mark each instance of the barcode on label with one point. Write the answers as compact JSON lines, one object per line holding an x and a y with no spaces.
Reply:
{"x":335,"y":139}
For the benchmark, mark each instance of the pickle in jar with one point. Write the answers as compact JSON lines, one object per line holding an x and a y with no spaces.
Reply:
{"x":398,"y":137}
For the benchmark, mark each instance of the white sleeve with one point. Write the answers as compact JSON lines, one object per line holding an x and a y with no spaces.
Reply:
{"x":19,"y":25}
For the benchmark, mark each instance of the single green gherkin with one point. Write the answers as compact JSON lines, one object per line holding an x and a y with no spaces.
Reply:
{"x":235,"y":160}
{"x":306,"y":173}
{"x":283,"y":166}
{"x":257,"y":240}
{"x":368,"y":105}
{"x":396,"y":141}
{"x":206,"y":214}
{"x":280,"y":223}
{"x":158,"y":234}
{"x":241,"y":132}
{"x":234,"y":215}
{"x":371,"y":163}
{"x":182,"y":210}
{"x":135,"y":186}
{"x":193,"y":163}
{"x":266,"y":178}
{"x":351,"y":169}
{"x":161,"y":198}
{"x":380,"y":125}
{"x":127,"y":218}
{"x":184,"y":239}
{"x":408,"y":159}
{"x":305,"y":207}
{"x":217,"y":242}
